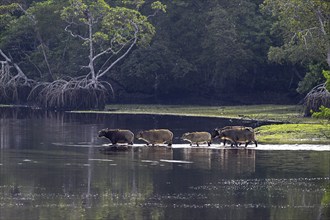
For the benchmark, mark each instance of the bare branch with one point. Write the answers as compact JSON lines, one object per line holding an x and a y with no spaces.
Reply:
{"x":74,"y":35}
{"x":30,"y":16}
{"x":320,"y":18}
{"x":103,"y":52}
{"x":9,"y":82}
{"x":123,"y":55}
{"x":20,"y":75}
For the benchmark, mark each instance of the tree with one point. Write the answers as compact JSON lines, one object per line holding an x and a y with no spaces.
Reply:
{"x":304,"y":28}
{"x":10,"y":81}
{"x":203,"y":48}
{"x":154,"y":70}
{"x":233,"y":41}
{"x":108,"y":34}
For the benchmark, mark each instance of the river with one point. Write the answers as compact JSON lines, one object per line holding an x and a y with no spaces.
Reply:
{"x":53,"y":166}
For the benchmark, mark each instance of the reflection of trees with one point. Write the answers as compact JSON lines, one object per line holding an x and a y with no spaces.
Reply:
{"x":4,"y":136}
{"x":92,"y":190}
{"x":324,"y":211}
{"x":302,"y":163}
{"x":239,"y":161}
{"x":156,"y":153}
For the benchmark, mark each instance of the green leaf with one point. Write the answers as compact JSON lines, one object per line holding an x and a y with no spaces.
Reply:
{"x":159,"y":6}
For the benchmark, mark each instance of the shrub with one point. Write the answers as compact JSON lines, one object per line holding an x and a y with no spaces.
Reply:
{"x":323,"y":113}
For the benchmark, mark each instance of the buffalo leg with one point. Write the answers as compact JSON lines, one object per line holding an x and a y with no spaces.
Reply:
{"x":247,"y":143}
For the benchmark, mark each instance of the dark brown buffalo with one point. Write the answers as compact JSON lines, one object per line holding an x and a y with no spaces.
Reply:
{"x":236,"y":135}
{"x":117,"y":135}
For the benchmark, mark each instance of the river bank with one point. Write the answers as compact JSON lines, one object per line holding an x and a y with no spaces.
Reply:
{"x":287,"y":124}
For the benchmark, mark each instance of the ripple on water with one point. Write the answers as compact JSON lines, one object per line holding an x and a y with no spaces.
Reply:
{"x":223,"y":194}
{"x":306,"y":184}
{"x":176,"y":161}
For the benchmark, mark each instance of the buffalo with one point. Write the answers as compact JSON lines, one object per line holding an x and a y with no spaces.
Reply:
{"x":156,"y":136}
{"x":236,"y":135}
{"x":117,"y":135}
{"x":197,"y":137}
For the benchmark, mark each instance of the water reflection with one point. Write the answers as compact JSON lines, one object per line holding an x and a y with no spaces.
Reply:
{"x":51,"y":168}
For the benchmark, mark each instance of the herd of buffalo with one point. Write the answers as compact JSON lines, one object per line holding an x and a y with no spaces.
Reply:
{"x":235,"y":135}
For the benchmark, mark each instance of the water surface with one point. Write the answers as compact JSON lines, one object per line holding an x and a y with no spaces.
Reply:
{"x":51,"y":167}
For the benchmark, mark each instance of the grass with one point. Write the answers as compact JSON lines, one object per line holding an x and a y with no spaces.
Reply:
{"x":259,"y":112}
{"x":294,"y":130}
{"x":294,"y":134}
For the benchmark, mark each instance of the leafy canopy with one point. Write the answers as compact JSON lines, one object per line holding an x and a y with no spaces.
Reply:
{"x":304,"y":28}
{"x":114,"y":26}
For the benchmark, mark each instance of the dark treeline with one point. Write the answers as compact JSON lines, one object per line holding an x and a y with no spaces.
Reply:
{"x":232,"y":52}
{"x":214,"y":49}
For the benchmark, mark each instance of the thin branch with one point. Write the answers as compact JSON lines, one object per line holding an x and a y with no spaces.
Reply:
{"x":30,"y":16}
{"x":104,"y":52}
{"x":319,"y":16}
{"x":19,"y":71}
{"x":126,"y":52}
{"x":72,"y":34}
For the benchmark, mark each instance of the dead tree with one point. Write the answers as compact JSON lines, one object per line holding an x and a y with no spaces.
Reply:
{"x":88,"y":91}
{"x":317,"y":97}
{"x":13,"y":81}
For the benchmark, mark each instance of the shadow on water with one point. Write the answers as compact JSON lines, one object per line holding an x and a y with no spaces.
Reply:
{"x":51,"y":167}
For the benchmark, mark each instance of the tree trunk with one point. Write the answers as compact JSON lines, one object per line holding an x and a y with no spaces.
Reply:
{"x":91,"y":49}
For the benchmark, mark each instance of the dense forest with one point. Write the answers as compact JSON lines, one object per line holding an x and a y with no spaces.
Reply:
{"x":86,"y":53}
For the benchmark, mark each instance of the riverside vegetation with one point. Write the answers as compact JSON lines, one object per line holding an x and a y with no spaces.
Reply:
{"x":293,"y":127}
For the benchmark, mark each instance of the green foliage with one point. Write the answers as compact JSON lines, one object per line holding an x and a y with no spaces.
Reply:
{"x":7,"y":16}
{"x":153,"y":70}
{"x":324,"y":113}
{"x":223,"y":46}
{"x":25,"y":34}
{"x":30,"y":31}
{"x":157,"y":5}
{"x":120,"y":23}
{"x":303,"y":27}
{"x":205,"y":48}
{"x":312,"y":78}
{"x":326,"y":74}
{"x":9,"y":8}
{"x":114,"y":26}
{"x":136,"y":3}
